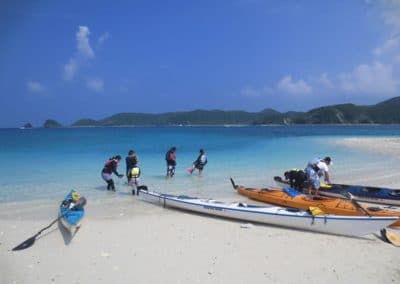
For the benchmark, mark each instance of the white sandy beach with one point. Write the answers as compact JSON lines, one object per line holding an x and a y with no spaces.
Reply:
{"x":130,"y":241}
{"x":389,"y":145}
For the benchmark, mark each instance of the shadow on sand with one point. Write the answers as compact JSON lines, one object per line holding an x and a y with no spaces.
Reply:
{"x":67,"y":237}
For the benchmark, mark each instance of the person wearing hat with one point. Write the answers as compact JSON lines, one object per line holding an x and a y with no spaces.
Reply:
{"x":110,"y":167}
{"x":315,"y":169}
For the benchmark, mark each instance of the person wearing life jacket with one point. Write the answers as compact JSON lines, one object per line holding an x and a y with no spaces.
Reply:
{"x":315,"y":169}
{"x":199,"y":163}
{"x":134,"y":175}
{"x":296,"y":178}
{"x":131,"y":161}
{"x":110,"y":167}
{"x":170,"y":158}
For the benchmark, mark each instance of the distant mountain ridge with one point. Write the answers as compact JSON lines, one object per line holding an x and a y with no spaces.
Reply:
{"x":382,"y":113}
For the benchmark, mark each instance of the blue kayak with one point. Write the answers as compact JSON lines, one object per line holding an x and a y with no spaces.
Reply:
{"x":379,"y":195}
{"x":72,"y":211}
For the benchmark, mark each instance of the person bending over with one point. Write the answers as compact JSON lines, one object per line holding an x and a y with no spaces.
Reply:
{"x":296,"y":178}
{"x":110,"y":167}
{"x":315,"y":170}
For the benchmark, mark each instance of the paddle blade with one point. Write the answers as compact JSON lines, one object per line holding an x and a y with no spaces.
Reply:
{"x":278,"y":179}
{"x":28,"y":243}
{"x":391,"y":237}
{"x":233,"y":183}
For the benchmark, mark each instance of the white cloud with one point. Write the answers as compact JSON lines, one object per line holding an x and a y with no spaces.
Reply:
{"x":82,"y":38}
{"x":84,"y":51}
{"x":392,"y":14}
{"x":105,"y":36}
{"x":388,"y":46}
{"x":325,"y":81}
{"x":35,"y":87}
{"x":70,"y":69}
{"x":96,"y":85}
{"x":390,"y":10}
{"x":300,"y":87}
{"x":374,"y":79}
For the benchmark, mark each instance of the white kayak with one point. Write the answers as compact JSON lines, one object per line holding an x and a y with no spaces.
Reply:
{"x":273,"y":215}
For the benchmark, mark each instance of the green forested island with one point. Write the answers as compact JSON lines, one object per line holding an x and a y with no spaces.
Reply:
{"x":386,"y":112}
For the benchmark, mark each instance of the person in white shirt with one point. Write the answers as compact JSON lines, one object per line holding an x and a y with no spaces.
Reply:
{"x":315,"y":169}
{"x":200,"y":163}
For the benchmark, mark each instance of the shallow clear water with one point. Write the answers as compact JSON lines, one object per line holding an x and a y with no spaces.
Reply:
{"x":47,"y":163}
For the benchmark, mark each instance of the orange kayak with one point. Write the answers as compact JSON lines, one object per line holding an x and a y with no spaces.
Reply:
{"x":335,"y":206}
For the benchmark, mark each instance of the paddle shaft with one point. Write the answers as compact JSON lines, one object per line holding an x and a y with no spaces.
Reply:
{"x":29,"y":242}
{"x":357,"y":205}
{"x":51,"y":224}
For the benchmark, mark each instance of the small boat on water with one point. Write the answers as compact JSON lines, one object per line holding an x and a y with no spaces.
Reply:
{"x":328,"y":205}
{"x":273,"y":215}
{"x":378,"y":195}
{"x":72,"y":211}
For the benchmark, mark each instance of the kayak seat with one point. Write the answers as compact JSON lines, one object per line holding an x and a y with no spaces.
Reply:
{"x":371,"y":189}
{"x":374,"y":209}
{"x":395,"y":193}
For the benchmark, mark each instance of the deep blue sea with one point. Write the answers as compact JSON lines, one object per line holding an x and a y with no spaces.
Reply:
{"x":46,"y":163}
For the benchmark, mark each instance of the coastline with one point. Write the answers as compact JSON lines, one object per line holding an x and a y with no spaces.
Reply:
{"x":381,"y":145}
{"x":209,"y":125}
{"x":125,"y":239}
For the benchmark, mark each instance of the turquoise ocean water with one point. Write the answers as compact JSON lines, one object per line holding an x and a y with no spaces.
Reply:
{"x":46,"y":163}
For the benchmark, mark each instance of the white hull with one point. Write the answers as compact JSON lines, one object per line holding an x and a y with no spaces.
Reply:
{"x":70,"y":228}
{"x":280,"y":216}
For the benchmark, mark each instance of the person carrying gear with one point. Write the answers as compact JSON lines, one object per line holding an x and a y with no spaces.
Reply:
{"x":200,"y":163}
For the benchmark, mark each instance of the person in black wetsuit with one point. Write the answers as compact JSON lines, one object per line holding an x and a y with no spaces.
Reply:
{"x":131,"y":162}
{"x":109,"y":168}
{"x":296,"y":178}
{"x":171,"y":161}
{"x":200,"y":163}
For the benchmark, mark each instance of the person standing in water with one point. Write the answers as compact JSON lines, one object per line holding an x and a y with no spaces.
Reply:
{"x":131,"y":162}
{"x":200,"y":163}
{"x":170,"y":157}
{"x":110,"y":167}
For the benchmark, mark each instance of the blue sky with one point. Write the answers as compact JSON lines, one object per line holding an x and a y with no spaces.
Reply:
{"x":67,"y":60}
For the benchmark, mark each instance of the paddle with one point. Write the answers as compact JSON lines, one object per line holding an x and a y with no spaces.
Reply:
{"x":233,"y":183}
{"x":391,"y":237}
{"x":350,"y":196}
{"x":29,"y":242}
